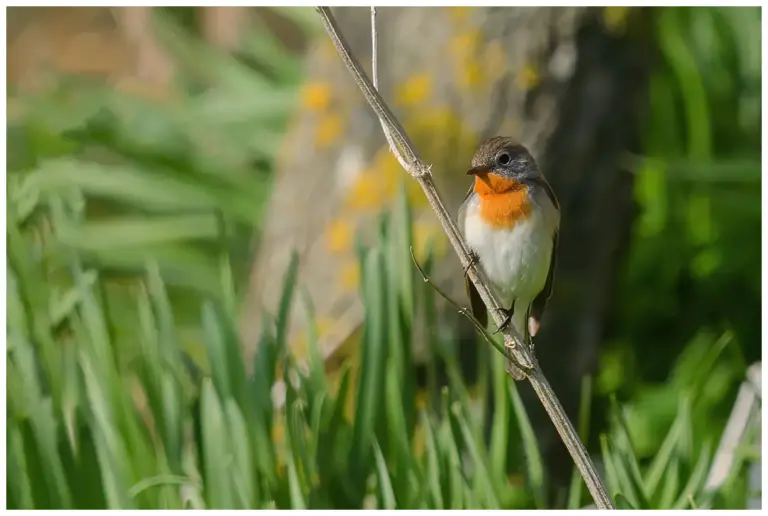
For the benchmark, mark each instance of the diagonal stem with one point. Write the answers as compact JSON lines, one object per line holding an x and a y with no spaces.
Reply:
{"x":406,"y":154}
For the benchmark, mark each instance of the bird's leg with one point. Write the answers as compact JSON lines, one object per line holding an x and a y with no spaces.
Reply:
{"x":507,"y":317}
{"x":527,"y":337}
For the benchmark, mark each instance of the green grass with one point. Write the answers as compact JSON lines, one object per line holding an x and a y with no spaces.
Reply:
{"x":88,"y":429}
{"x":689,"y":294}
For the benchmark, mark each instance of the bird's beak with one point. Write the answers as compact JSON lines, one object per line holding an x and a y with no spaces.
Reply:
{"x":477,"y":171}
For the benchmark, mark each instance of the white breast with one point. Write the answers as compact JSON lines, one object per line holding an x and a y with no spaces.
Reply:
{"x":516,"y":260}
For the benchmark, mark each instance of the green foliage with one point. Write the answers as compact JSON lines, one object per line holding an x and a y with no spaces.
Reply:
{"x":87,"y":429}
{"x":171,"y":180}
{"x":180,"y":182}
{"x":690,"y":295}
{"x":674,"y":467}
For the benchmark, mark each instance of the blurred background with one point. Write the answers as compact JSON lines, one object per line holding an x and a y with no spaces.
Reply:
{"x":200,"y":205}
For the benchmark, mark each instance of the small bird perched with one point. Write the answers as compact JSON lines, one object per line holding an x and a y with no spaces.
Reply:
{"x":510,"y":219}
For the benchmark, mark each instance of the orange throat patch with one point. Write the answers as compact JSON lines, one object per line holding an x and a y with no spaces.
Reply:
{"x":503,"y":202}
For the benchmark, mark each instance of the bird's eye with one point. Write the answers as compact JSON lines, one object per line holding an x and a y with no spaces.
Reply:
{"x":503,"y":159}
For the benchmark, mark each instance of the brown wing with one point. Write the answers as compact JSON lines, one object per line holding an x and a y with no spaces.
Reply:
{"x":476,"y":303}
{"x":540,"y":302}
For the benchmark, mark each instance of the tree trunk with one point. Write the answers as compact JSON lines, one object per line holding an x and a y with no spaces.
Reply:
{"x":566,"y":82}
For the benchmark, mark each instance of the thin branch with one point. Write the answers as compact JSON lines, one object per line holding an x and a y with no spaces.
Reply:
{"x":374,"y":51}
{"x":465,"y":312}
{"x":406,"y":154}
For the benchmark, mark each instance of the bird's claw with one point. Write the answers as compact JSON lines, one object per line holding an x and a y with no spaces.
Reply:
{"x":507,"y":319}
{"x":507,"y":313}
{"x":472,"y":262}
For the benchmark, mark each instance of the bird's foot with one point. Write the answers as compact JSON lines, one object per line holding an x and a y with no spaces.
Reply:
{"x":507,"y":318}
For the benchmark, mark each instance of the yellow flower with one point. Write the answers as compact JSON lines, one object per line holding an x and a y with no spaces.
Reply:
{"x":365,"y":193}
{"x":473,"y":76}
{"x":338,"y":236}
{"x":389,"y":172}
{"x":350,"y":275}
{"x":463,"y":45}
{"x":316,"y":96}
{"x":376,"y":186}
{"x":414,"y":90}
{"x":460,"y":13}
{"x":328,"y":130}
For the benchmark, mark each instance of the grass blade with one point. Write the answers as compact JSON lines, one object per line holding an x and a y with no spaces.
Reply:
{"x":666,"y":451}
{"x":318,"y":414}
{"x":217,"y":458}
{"x":336,"y":421}
{"x":295,"y":490}
{"x":479,"y":460}
{"x":622,"y":503}
{"x":19,"y":488}
{"x":297,"y":432}
{"x":623,"y":477}
{"x":696,"y":480}
{"x":216,"y":349}
{"x":500,"y":425}
{"x":317,"y":380}
{"x":669,"y":487}
{"x":286,"y":299}
{"x":385,"y":485}
{"x":611,"y":476}
{"x":397,"y":431}
{"x":111,"y":450}
{"x":625,"y":458}
{"x":371,"y":383}
{"x":433,"y":457}
{"x":585,"y":404}
{"x":533,"y":460}
{"x":455,"y":474}
{"x":242,"y":469}
{"x":161,"y":480}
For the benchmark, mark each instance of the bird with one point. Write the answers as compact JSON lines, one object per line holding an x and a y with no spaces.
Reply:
{"x":510,"y":220}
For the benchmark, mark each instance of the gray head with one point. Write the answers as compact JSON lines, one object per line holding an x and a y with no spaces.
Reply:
{"x":505,"y":157}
